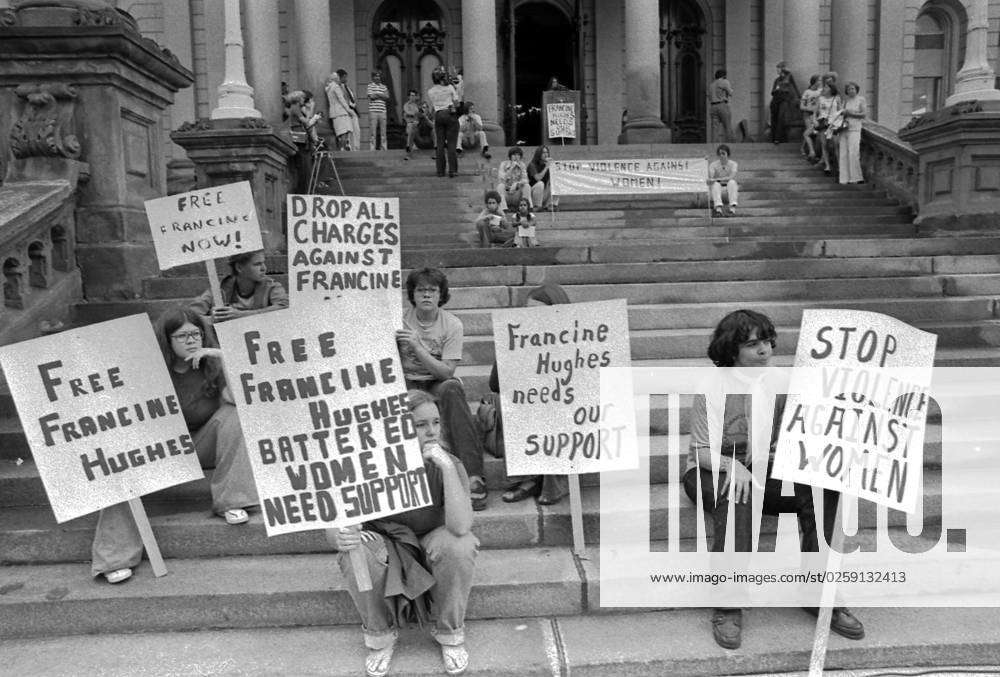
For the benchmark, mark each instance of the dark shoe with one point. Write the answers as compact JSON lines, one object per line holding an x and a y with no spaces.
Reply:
{"x":551,"y":500}
{"x":520,"y":492}
{"x":717,"y":212}
{"x":727,"y":628}
{"x":486,"y":152}
{"x":842,"y":622}
{"x":452,"y":175}
{"x":477,"y":492}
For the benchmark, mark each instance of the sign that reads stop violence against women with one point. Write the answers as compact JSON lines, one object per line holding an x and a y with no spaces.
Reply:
{"x":855,"y":416}
{"x":345,"y":248}
{"x":100,"y":414}
{"x":626,"y":177}
{"x":322,"y":401}
{"x":562,"y":120}
{"x":549,"y":362}
{"x":205,"y":224}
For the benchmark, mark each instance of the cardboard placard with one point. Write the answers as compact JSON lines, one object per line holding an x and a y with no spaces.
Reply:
{"x":343,"y":248}
{"x":561,"y":119}
{"x":626,"y":177}
{"x":205,"y":224}
{"x":549,"y":362}
{"x":855,"y":422}
{"x":321,"y":399}
{"x":100,"y":414}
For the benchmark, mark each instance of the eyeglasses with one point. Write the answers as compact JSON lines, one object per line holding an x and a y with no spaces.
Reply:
{"x":185,"y":336}
{"x":429,"y":291}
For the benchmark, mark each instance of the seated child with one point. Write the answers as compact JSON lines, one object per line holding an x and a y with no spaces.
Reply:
{"x":524,"y":221}
{"x":492,"y":225}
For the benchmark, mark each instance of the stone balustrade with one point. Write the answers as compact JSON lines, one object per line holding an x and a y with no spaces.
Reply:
{"x":890,"y":163}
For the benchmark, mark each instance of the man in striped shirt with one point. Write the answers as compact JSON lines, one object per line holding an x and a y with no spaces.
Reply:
{"x":378,"y":95}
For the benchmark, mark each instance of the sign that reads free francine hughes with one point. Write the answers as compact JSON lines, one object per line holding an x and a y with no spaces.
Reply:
{"x":205,"y":224}
{"x":626,"y":177}
{"x":342,"y":247}
{"x":857,"y":407}
{"x":322,"y":401}
{"x":549,"y":362}
{"x":101,"y":415}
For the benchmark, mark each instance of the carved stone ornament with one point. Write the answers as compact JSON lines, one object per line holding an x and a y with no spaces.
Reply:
{"x":199,"y":125}
{"x":99,"y":17}
{"x":429,"y":39}
{"x":8,"y":17}
{"x":254,"y":123}
{"x":389,"y":40}
{"x":43,"y":130}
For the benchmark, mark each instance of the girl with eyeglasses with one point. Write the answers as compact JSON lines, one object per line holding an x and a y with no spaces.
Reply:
{"x":195,"y":365}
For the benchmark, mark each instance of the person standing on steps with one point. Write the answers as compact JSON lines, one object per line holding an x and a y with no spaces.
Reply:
{"x":745,"y":340}
{"x":352,"y":107}
{"x":411,"y":116}
{"x":429,"y":553}
{"x":849,"y":140}
{"x":378,"y":97}
{"x":430,"y":347}
{"x":444,"y":102}
{"x":720,"y":93}
{"x":339,"y":110}
{"x":722,"y":176}
{"x":784,"y":99}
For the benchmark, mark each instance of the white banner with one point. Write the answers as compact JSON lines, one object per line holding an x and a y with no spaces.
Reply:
{"x":322,"y":401}
{"x":100,"y":414}
{"x":211,"y":223}
{"x":562,"y":120}
{"x":549,"y":360}
{"x":625,"y":177}
{"x":859,"y":427}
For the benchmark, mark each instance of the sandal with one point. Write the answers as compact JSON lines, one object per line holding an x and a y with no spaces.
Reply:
{"x":236,"y":516}
{"x":477,"y":492}
{"x":455,"y":659}
{"x":378,"y":660}
{"x":118,"y":575}
{"x":521,"y":492}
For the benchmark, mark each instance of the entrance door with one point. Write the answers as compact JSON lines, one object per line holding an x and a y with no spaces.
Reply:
{"x":682,"y":63}
{"x":408,"y":44}
{"x":541,"y":42}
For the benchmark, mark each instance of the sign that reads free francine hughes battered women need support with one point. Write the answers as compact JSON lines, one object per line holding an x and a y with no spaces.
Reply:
{"x":549,"y":362}
{"x":101,"y":415}
{"x":202,"y":225}
{"x":322,"y":401}
{"x":626,"y":177}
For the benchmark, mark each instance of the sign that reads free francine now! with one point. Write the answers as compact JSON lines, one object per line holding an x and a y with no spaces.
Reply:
{"x":625,"y":177}
{"x":101,"y":415}
{"x":342,"y":247}
{"x":561,"y":119}
{"x":205,"y":224}
{"x":857,"y":407}
{"x":549,"y":362}
{"x":322,"y":402}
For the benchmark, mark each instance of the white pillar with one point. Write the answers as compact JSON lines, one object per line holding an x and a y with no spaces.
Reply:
{"x":849,"y":42}
{"x":774,"y":53}
{"x":890,"y":108}
{"x":264,"y":48}
{"x":801,"y":28}
{"x":642,"y":72}
{"x":312,"y":43}
{"x":479,"y":62}
{"x":976,"y":81}
{"x":235,"y":95}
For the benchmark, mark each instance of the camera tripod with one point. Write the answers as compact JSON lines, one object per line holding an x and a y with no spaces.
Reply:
{"x":319,"y":157}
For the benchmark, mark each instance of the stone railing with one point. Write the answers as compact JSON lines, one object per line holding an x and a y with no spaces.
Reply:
{"x":890,"y":163}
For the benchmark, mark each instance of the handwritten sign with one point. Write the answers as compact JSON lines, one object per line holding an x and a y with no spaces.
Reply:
{"x":322,"y":402}
{"x":561,"y":119}
{"x":625,"y":177}
{"x":549,"y":361}
{"x":205,"y":224}
{"x":100,"y":414}
{"x":855,"y":421}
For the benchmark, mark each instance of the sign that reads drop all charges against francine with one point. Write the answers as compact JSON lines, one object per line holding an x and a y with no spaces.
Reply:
{"x":322,"y":401}
{"x":549,"y":362}
{"x":100,"y":414}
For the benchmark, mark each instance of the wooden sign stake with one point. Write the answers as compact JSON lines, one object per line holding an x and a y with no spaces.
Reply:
{"x":213,"y":283}
{"x":821,"y":636}
{"x":148,"y":539}
{"x":576,"y":516}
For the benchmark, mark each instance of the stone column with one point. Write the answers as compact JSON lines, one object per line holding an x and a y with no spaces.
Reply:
{"x":890,"y":109}
{"x":235,"y":95}
{"x":312,"y":43}
{"x":265,"y":56}
{"x":479,"y":63}
{"x":642,"y":73}
{"x":738,"y":51}
{"x":849,"y":42}
{"x":801,"y":28}
{"x":976,"y":79}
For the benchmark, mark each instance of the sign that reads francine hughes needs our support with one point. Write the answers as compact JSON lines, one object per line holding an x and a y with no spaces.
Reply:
{"x":561,"y":120}
{"x":101,"y":415}
{"x":205,"y":224}
{"x":345,"y":248}
{"x":625,"y":177}
{"x":322,"y":401}
{"x":549,"y":362}
{"x":857,"y":407}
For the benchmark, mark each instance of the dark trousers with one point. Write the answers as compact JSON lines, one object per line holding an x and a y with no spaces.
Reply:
{"x":778,"y":131}
{"x":456,"y":421}
{"x":446,"y":129}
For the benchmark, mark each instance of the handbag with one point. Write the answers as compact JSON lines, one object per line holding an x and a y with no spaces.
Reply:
{"x":491,"y":424}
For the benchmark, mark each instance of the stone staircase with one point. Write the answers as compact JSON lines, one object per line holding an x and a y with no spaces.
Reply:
{"x":799,"y":242}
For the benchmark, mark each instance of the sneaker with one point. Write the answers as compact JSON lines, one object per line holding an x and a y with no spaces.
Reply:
{"x":732,"y":210}
{"x":717,"y":211}
{"x":727,"y":628}
{"x":486,"y":152}
{"x":378,"y":660}
{"x":118,"y":575}
{"x":236,"y":516}
{"x":842,"y":622}
{"x":455,"y":658}
{"x":477,"y":492}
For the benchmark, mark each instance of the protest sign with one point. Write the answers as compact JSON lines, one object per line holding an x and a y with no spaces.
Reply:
{"x":561,"y":120}
{"x":345,"y":248}
{"x":852,"y":423}
{"x":549,"y":362}
{"x":204,"y":225}
{"x":100,"y":414}
{"x":626,"y":177}
{"x":321,"y":399}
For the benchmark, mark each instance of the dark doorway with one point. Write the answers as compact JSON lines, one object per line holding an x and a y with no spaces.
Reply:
{"x":682,"y":60}
{"x":544,"y":44}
